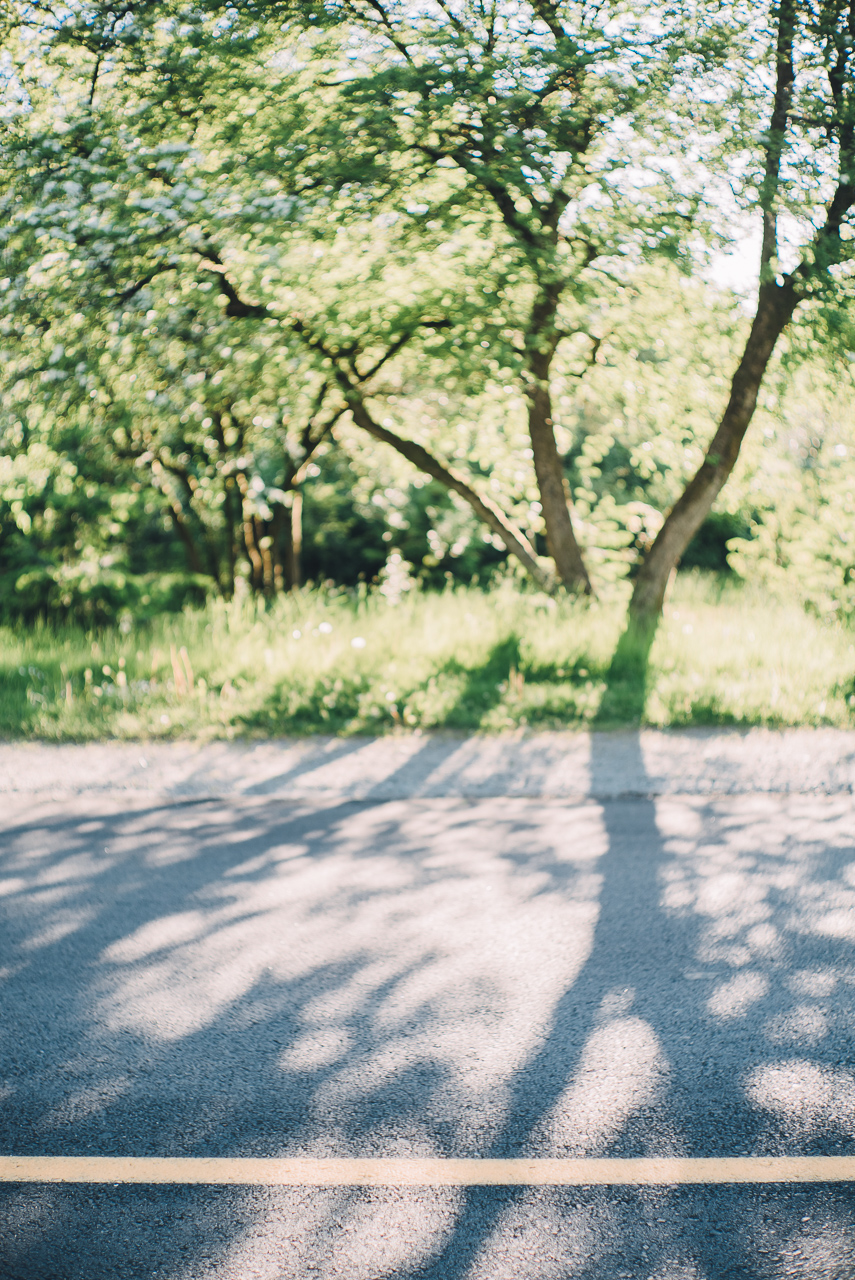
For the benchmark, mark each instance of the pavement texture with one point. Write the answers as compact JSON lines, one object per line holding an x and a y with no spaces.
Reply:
{"x":571,"y":765}
{"x":569,"y":945}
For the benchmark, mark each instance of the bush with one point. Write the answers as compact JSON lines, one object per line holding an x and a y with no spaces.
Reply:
{"x":94,"y":596}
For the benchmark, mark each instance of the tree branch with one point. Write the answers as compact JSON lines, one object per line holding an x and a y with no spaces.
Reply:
{"x":236,"y":309}
{"x":514,"y":539}
{"x":134,"y":289}
{"x":386,"y":23}
{"x":547,"y":11}
{"x":784,"y":78}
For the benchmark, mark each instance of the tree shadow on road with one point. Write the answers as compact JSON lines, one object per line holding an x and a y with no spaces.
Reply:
{"x":679,"y":948}
{"x":625,"y":692}
{"x":636,"y":978}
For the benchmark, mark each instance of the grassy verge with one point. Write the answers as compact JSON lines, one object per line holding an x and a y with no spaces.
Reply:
{"x":463,"y":660}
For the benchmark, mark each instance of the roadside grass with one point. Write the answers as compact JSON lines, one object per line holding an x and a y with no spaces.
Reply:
{"x":465,"y":659}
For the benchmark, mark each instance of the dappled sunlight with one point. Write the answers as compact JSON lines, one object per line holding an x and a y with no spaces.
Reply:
{"x":83,"y":1103}
{"x":804,"y":1024}
{"x":443,"y":977}
{"x":838,"y":922}
{"x":770,"y":852}
{"x":433,"y":944}
{"x":289,"y":1235}
{"x":677,"y":1270}
{"x":316,"y":1049}
{"x":621,"y":1071}
{"x":159,"y":935}
{"x":188,"y":987}
{"x":61,"y":926}
{"x":817,"y":1249}
{"x":44,"y":896}
{"x":404,"y":1233}
{"x":558,"y":1235}
{"x":733,"y":998}
{"x":812,"y":983}
{"x":12,"y":884}
{"x":565,"y":1240}
{"x":404,"y":959}
{"x":810,"y":1099}
{"x":785,"y":985}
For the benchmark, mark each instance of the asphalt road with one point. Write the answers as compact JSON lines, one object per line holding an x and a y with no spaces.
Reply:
{"x":428,"y":976}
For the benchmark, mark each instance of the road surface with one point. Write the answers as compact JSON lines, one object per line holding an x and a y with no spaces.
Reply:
{"x":631,"y":947}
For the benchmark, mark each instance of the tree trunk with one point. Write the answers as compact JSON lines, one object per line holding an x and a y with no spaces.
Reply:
{"x":194,"y":560}
{"x":231,"y":537}
{"x":775,"y":308}
{"x":288,"y":542}
{"x":495,"y":519}
{"x":253,"y":554}
{"x":265,"y":548}
{"x":295,"y":551}
{"x":278,"y":529}
{"x":551,"y":483}
{"x":543,"y":338}
{"x":179,"y":519}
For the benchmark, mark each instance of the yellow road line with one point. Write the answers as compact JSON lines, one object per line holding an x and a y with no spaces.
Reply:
{"x":426,"y":1172}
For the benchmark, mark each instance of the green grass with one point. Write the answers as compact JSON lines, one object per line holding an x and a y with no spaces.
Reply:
{"x":463,"y":660}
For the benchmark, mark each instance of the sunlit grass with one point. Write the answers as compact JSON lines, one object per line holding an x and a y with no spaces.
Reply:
{"x":461,"y":660}
{"x":743,"y":659}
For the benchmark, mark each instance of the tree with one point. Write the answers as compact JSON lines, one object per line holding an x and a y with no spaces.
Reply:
{"x":141,"y":181}
{"x":439,"y":96}
{"x":802,"y":164}
{"x":514,"y":118}
{"x":477,"y":183}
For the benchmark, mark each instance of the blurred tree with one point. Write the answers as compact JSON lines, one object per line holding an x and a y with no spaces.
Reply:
{"x":366,"y":204}
{"x":519,"y":120}
{"x":132,"y":183}
{"x":800,"y":494}
{"x":793,"y":69}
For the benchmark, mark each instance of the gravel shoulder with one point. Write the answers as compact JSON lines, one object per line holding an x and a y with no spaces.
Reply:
{"x":573,"y":765}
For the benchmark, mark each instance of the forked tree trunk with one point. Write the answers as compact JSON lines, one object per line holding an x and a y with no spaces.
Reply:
{"x":554,"y":499}
{"x":486,"y":510}
{"x":560,"y":536}
{"x":775,"y":308}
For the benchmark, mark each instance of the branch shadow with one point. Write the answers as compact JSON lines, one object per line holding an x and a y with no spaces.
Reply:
{"x":482,"y":685}
{"x":437,"y":977}
{"x":641,"y":976}
{"x":330,"y":753}
{"x":626,"y":681}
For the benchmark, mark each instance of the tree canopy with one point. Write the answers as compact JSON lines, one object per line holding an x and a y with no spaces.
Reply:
{"x":377,"y":278}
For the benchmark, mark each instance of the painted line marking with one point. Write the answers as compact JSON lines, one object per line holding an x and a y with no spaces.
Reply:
{"x":426,"y":1172}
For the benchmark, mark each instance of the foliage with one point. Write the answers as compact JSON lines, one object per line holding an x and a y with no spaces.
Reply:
{"x":217,"y":221}
{"x":465,"y":659}
{"x":801,"y":541}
